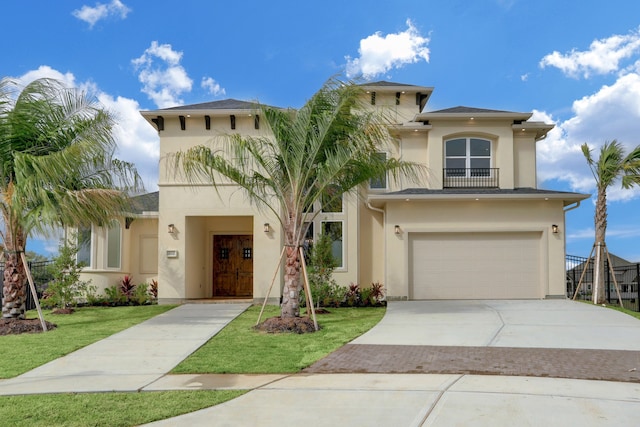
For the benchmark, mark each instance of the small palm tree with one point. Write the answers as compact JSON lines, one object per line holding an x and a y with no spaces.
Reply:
{"x":320,"y":152}
{"x":56,"y":169}
{"x":610,"y":166}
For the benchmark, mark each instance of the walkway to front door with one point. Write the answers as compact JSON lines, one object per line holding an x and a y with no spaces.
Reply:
{"x":233,"y":266}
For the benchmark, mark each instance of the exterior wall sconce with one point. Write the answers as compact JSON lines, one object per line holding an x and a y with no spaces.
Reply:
{"x":172,"y":229}
{"x":266,"y":227}
{"x":554,"y":229}
{"x":396,"y":230}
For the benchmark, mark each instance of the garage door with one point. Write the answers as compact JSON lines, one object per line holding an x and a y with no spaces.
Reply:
{"x":474,"y":265}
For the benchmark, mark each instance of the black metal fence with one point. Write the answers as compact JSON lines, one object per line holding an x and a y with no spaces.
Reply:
{"x":471,"y":177}
{"x":625,"y":275}
{"x":41,"y":273}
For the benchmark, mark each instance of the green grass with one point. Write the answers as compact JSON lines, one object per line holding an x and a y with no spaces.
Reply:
{"x":21,"y":353}
{"x":240,"y":349}
{"x":625,"y":310}
{"x":105,"y":409}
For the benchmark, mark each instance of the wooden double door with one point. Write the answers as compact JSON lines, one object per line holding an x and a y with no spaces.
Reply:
{"x":233,"y":266}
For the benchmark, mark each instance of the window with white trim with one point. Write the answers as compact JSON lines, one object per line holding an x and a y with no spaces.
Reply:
{"x":83,"y":243}
{"x":114,"y":238}
{"x":331,"y":200}
{"x":335,"y":230}
{"x":468,"y":157}
{"x":381,"y":182}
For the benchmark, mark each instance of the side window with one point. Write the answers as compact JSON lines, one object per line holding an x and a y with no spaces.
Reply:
{"x":379,"y":183}
{"x":334,"y":230}
{"x":113,"y":245}
{"x":332,"y":200}
{"x":83,"y":257}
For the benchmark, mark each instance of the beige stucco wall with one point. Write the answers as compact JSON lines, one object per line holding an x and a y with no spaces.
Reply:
{"x":498,"y":131}
{"x":474,"y":216}
{"x":134,"y":261}
{"x":197,"y":214}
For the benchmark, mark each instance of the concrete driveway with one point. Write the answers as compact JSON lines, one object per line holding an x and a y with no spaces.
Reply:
{"x":351,"y":386}
{"x":508,"y":323}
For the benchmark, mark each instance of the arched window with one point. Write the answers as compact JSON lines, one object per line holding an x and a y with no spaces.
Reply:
{"x":468,"y":157}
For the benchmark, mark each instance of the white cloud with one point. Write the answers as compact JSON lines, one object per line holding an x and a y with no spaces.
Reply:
{"x":603,"y":57}
{"x":44,"y":71}
{"x":137,"y":141}
{"x":163,"y":79}
{"x":211,"y":86}
{"x":613,"y":112}
{"x":379,"y":54}
{"x":91,"y":15}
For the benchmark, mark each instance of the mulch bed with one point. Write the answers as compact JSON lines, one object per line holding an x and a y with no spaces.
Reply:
{"x":296,"y":325}
{"x":18,"y":326}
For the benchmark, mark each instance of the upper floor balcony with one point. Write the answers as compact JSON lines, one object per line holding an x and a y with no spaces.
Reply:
{"x":471,"y":178}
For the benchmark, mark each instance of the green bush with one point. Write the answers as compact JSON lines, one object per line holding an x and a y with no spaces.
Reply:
{"x":324,"y":289}
{"x":66,"y":288}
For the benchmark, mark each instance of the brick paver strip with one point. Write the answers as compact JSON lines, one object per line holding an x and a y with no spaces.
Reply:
{"x":609,"y":365}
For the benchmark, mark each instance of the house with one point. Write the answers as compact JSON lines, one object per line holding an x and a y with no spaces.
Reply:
{"x":478,"y":228}
{"x":626,"y":275}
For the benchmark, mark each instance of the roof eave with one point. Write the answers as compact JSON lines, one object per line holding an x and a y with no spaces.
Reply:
{"x":568,"y":198}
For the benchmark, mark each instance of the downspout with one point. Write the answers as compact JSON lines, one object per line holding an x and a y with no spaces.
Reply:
{"x":384,"y":244}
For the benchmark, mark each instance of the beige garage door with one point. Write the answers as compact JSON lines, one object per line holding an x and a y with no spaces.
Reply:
{"x":474,"y":265}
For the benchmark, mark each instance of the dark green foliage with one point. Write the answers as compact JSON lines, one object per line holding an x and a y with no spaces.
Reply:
{"x":321,"y":266}
{"x":65,"y":288}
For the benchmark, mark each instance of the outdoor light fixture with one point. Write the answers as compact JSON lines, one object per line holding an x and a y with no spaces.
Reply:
{"x":267,"y":228}
{"x":172,"y":229}
{"x":554,"y":229}
{"x":396,"y":229}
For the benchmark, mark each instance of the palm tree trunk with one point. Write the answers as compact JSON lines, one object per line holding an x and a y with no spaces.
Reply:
{"x":291,"y":290}
{"x":14,"y":290}
{"x":14,"y":277}
{"x":601,"y":231}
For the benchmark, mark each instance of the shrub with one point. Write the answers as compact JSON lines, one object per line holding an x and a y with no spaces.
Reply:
{"x":126,"y":287}
{"x":66,"y":288}
{"x":153,"y":289}
{"x":324,"y":289}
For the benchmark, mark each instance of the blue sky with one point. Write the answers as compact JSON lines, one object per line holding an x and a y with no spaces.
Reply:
{"x":573,"y":63}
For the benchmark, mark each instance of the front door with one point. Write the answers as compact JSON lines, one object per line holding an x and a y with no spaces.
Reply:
{"x":233,"y":266}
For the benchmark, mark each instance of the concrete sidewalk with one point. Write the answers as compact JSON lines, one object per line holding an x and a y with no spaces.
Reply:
{"x":131,"y":359}
{"x":400,"y":400}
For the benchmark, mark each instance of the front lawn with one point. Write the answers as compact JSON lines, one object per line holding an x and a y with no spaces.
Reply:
{"x":21,"y":353}
{"x":238,"y":349}
{"x":106,"y":409}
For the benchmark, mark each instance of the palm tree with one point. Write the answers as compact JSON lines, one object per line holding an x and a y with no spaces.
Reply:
{"x":56,"y":169}
{"x":610,"y":166}
{"x":322,"y":151}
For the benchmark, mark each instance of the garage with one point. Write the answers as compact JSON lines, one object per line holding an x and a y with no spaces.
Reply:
{"x":475,"y":265}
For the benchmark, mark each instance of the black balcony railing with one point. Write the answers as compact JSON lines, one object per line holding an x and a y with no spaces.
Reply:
{"x":471,"y":177}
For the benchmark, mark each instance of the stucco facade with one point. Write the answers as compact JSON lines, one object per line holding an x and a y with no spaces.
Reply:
{"x":477,"y":226}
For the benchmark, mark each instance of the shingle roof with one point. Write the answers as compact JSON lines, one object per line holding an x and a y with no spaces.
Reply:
{"x":146,"y":203}
{"x":461,"y":109}
{"x":225,"y":104}
{"x":385,"y":83}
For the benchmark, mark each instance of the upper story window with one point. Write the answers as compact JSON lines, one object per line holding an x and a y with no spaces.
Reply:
{"x":331,"y":200}
{"x":468,"y":157}
{"x":381,"y":182}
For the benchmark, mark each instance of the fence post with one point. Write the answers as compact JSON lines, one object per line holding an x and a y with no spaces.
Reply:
{"x":607,"y":269}
{"x":637,"y":286}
